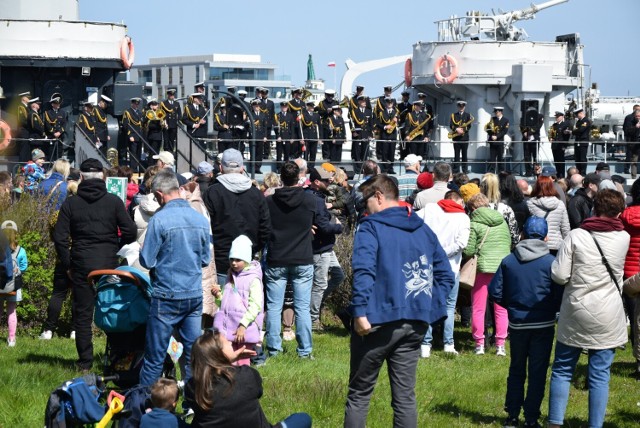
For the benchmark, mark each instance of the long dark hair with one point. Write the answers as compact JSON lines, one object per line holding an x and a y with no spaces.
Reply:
{"x":635,"y":192}
{"x":509,"y":189}
{"x":209,"y":365}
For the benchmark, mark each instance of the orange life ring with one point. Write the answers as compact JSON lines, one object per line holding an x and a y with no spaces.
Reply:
{"x":408,"y":71}
{"x":446,"y":69}
{"x":127,"y":52}
{"x":5,"y":134}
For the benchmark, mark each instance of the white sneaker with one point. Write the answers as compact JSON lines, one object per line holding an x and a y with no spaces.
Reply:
{"x":425,"y":351}
{"x":479,"y":350}
{"x":450,"y":349}
{"x":500,"y":351}
{"x":11,"y":343}
{"x":46,"y":335}
{"x":72,"y":336}
{"x":288,"y":336}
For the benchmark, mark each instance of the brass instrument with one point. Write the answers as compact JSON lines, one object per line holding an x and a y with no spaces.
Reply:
{"x":345,"y":102}
{"x":112,"y":157}
{"x":462,"y":125}
{"x":158,"y":115}
{"x":491,"y":127}
{"x":553,"y":133}
{"x":413,"y":134}
{"x":306,"y":94}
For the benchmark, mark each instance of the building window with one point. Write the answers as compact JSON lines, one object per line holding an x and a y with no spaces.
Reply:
{"x":171,"y":75}
{"x":181,"y":71}
{"x":197,"y":74}
{"x":144,"y":76}
{"x":159,"y":91}
{"x":182,"y":93}
{"x":158,"y":76}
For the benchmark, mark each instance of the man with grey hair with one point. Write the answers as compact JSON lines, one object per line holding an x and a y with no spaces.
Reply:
{"x":86,"y":239}
{"x":441,"y":177}
{"x":176,"y":248}
{"x":302,"y":176}
{"x":575,"y":183}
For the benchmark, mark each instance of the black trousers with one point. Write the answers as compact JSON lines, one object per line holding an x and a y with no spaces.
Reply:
{"x":84,"y":296}
{"x":496,"y":150}
{"x":558,"y":158}
{"x":458,"y":150}
{"x":335,"y":152}
{"x":311,"y":151}
{"x":580,"y":156}
{"x":529,"y":149}
{"x":326,"y":138}
{"x":359,"y":153}
{"x":171,"y":140}
{"x":387,"y":153}
{"x":61,"y":289}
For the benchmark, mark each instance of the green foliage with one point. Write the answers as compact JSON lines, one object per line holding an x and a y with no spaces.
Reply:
{"x":340,"y":298}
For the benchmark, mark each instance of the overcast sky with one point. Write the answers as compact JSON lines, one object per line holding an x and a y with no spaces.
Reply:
{"x":285,"y":32}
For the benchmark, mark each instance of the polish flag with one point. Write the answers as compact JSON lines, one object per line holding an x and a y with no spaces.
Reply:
{"x":331,"y":64}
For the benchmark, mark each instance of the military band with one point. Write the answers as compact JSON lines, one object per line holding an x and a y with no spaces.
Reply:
{"x":154,"y":125}
{"x":222,"y":127}
{"x":35,"y":126}
{"x":173,"y":112}
{"x":337,"y":134}
{"x":268,"y":108}
{"x":194,"y":116}
{"x":634,"y":140}
{"x":325,"y":110}
{"x":460,"y":123}
{"x":581,"y":131}
{"x":405,"y":106}
{"x":497,"y":128}
{"x":630,"y":129}
{"x":530,"y":141}
{"x":386,"y":123}
{"x":260,"y":123}
{"x":559,"y":135}
{"x":55,"y":122}
{"x":417,"y":139}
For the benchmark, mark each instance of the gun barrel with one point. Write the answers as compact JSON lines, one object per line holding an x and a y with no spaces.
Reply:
{"x":535,"y":8}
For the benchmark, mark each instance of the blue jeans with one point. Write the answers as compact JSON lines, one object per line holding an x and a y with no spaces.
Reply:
{"x":324,"y":264}
{"x":165,"y":315}
{"x":301,"y":277}
{"x":447,"y":333}
{"x":530,"y":349}
{"x":297,"y":420}
{"x":564,"y":365}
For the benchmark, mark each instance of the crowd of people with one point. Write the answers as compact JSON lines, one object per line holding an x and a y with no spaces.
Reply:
{"x":230,"y":257}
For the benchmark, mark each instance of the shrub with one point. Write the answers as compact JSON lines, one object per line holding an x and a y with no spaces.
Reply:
{"x":340,"y":298}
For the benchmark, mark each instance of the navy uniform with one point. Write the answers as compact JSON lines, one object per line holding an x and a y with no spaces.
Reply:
{"x":386,"y":122}
{"x":199,"y":88}
{"x":285,"y":133}
{"x":559,"y":135}
{"x":463,"y":121}
{"x":417,"y":125}
{"x":173,"y":110}
{"x":100,"y":119}
{"x":634,"y":139}
{"x":338,"y":134}
{"x":427,"y":107}
{"x":310,"y":123}
{"x":194,"y":117}
{"x":35,"y":126}
{"x":297,"y":107}
{"x":377,"y":108}
{"x":404,"y":108}
{"x":361,"y":132}
{"x":260,"y":122}
{"x":582,"y":132}
{"x":496,"y":129}
{"x":269,"y":109}
{"x":153,"y":126}
{"x":132,"y":129}
{"x":237,"y":120}
{"x":325,"y":110}
{"x":55,"y":123}
{"x":629,"y":135}
{"x":22,"y":115}
{"x":222,"y":127}
{"x":353,"y":102}
{"x":87,"y":123}
{"x":530,"y":140}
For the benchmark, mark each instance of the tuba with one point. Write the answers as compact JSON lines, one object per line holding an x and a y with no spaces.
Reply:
{"x":112,"y":157}
{"x":306,"y":94}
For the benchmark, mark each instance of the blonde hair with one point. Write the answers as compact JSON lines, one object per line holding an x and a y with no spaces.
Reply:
{"x":61,"y":166}
{"x":271,"y":180}
{"x":478,"y":200}
{"x":12,"y":237}
{"x":490,"y":186}
{"x":340,"y":176}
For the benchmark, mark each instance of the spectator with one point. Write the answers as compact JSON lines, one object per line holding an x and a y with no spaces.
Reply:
{"x":545,"y":203}
{"x":407,"y":181}
{"x":73,"y":179}
{"x":460,"y":179}
{"x":549,"y":171}
{"x":631,"y":221}
{"x":164,"y":397}
{"x":34,"y":171}
{"x":524,"y":187}
{"x":489,"y":240}
{"x":338,"y":198}
{"x":302,"y":177}
{"x":469,"y":190}
{"x":236,"y":208}
{"x":369,"y":169}
{"x":441,"y":177}
{"x":512,"y":196}
{"x":176,"y":248}
{"x":86,"y":239}
{"x":571,"y":171}
{"x":204,"y":176}
{"x":575,"y":183}
{"x":423,"y":182}
{"x":290,"y":258}
{"x":5,"y":189}
{"x":448,"y":220}
{"x":18,"y":188}
{"x":144,"y":187}
{"x":397,"y":263}
{"x":54,"y":187}
{"x":581,"y":204}
{"x":592,"y":314}
{"x":19,"y":265}
{"x":490,"y":187}
{"x":271,"y":182}
{"x":522,"y":284}
{"x":166,"y":160}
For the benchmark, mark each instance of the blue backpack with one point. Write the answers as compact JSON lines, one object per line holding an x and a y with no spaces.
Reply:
{"x":75,"y":402}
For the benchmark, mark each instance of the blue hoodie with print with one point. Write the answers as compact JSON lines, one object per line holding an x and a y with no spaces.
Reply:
{"x":400,"y":271}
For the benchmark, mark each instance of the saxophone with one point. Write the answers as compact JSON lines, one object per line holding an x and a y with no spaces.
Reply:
{"x":553,"y":132}
{"x":413,"y":134}
{"x":463,"y":125}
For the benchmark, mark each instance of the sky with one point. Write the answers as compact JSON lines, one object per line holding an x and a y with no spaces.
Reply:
{"x":285,"y":32}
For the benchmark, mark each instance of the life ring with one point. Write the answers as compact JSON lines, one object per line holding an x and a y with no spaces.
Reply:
{"x":5,"y":135}
{"x":446,"y":69}
{"x":408,"y":71}
{"x":127,"y":52}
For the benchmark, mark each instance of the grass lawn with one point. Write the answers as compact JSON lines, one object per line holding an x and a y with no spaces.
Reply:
{"x":463,"y":391}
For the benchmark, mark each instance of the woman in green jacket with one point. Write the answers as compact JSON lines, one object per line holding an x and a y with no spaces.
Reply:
{"x":487,"y":225}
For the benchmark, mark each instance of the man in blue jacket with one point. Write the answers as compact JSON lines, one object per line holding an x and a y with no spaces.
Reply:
{"x":524,"y":287}
{"x":401,"y":278}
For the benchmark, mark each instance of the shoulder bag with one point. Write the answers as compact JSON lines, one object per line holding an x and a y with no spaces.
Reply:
{"x":468,"y":270}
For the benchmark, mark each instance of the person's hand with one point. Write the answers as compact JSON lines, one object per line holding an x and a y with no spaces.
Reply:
{"x":225,"y":126}
{"x":57,"y":134}
{"x":196,"y":126}
{"x":242,"y":352}
{"x":426,"y":139}
{"x":202,"y":122}
{"x":361,"y":326}
{"x":240,"y":334}
{"x":132,"y":139}
{"x":329,"y":205}
{"x":108,"y":138}
{"x":494,"y":138}
{"x":215,"y":290}
{"x":338,"y":221}
{"x":279,"y":139}
{"x":459,"y":131}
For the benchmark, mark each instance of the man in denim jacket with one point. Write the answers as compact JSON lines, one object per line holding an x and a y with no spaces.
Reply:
{"x":175,"y":250}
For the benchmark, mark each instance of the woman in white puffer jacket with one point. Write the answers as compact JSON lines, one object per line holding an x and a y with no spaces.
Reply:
{"x":544,"y":202}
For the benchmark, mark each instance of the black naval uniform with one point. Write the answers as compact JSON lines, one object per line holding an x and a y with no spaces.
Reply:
{"x":530,"y":141}
{"x":132,"y":128}
{"x":460,"y":142}
{"x":285,"y":134}
{"x":174,"y":113}
{"x":260,"y":122}
{"x":386,"y":144}
{"x":353,"y":103}
{"x":582,"y":132}
{"x":338,"y":135}
{"x":191,"y":117}
{"x":268,"y":108}
{"x":325,"y":111}
{"x":24,"y":132}
{"x":154,"y":132}
{"x":102,"y":131}
{"x":297,"y":107}
{"x":634,"y":146}
{"x":404,"y":108}
{"x":87,"y":123}
{"x":310,"y":122}
{"x":222,"y":127}
{"x":54,"y":121}
{"x":380,"y":105}
{"x":35,"y":127}
{"x":559,"y":134}
{"x":418,"y":121}
{"x":362,"y":131}
{"x":496,"y":147}
{"x":239,"y":124}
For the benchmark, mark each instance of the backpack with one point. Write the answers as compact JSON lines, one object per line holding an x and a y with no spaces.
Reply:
{"x":74,"y":403}
{"x":9,"y":282}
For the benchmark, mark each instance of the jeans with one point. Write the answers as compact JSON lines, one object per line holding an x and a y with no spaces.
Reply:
{"x":447,"y":333}
{"x":479,"y":295}
{"x":324,"y":264}
{"x":564,"y":365}
{"x":398,"y":343}
{"x":297,"y":420}
{"x":530,"y":350}
{"x":165,"y":315}
{"x":276,"y":279}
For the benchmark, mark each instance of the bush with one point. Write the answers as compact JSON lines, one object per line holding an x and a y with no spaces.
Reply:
{"x":340,"y":298}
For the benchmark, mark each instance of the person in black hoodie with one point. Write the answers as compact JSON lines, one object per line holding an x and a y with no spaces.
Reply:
{"x":290,"y":258}
{"x":86,"y":239}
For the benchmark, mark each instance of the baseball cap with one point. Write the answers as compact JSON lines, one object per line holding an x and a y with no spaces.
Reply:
{"x":91,"y":165}
{"x":411,"y":160}
{"x":9,"y":224}
{"x":232,"y":158}
{"x":548,"y":171}
{"x":319,"y":173}
{"x":535,"y":228}
{"x":166,"y":158}
{"x":204,"y":167}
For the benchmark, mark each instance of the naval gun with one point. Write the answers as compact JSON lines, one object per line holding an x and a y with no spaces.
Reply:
{"x":477,"y":25}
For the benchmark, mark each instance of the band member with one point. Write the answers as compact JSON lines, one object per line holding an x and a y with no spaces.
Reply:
{"x":132,"y":129}
{"x":268,"y":108}
{"x":417,"y":123}
{"x":87,"y":123}
{"x":296,"y":107}
{"x":635,"y":147}
{"x":381,"y":100}
{"x":194,"y":116}
{"x":582,"y":132}
{"x":154,"y":123}
{"x":238,"y":122}
{"x":353,"y":102}
{"x":22,"y":113}
{"x":530,"y":141}
{"x":35,"y":126}
{"x":387,"y":124}
{"x":310,"y":123}
{"x":324,"y":109}
{"x":629,"y":135}
{"x":242,"y":94}
{"x":460,"y":124}
{"x":260,"y":121}
{"x":55,"y":123}
{"x":338,"y":134}
{"x":404,"y":108}
{"x":559,"y":134}
{"x":285,"y":133}
{"x":173,"y":113}
{"x":362,"y":131}
{"x":496,"y":129}
{"x":100,"y":119}
{"x":427,"y":107}
{"x":222,"y":127}
{"x":199,"y":88}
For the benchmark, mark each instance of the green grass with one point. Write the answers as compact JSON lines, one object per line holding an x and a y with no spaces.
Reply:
{"x":463,"y":391}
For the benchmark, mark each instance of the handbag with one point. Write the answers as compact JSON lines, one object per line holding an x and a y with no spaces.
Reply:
{"x":606,"y":264}
{"x":468,"y":270}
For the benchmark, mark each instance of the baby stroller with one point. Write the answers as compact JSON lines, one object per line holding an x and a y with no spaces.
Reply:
{"x":121,"y":311}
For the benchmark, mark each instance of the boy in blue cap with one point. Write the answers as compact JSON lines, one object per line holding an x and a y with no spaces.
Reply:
{"x":523,"y":286}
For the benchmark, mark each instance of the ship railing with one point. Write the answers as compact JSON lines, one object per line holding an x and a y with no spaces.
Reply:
{"x":85,"y":148}
{"x":190,"y":151}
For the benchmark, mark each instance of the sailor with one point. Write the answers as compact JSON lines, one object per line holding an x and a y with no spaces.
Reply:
{"x":629,"y":135}
{"x":353,"y":102}
{"x":199,"y":88}
{"x":260,"y":137}
{"x":324,"y":109}
{"x":238,"y":122}
{"x":268,"y":108}
{"x":285,"y":133}
{"x":55,"y":122}
{"x":132,"y":129}
{"x":381,"y":100}
{"x":87,"y":123}
{"x":242,"y":94}
{"x":404,"y":107}
{"x":496,"y":129}
{"x":338,"y":134}
{"x":581,"y":131}
{"x":22,"y":114}
{"x":460,"y":124}
{"x":635,"y":147}
{"x":416,"y":134}
{"x":530,"y":141}
{"x":173,"y":112}
{"x":362,"y":131}
{"x":100,"y":120}
{"x":153,"y":122}
{"x":296,"y":107}
{"x":427,"y":107}
{"x":387,"y":125}
{"x":559,"y":134}
{"x":310,"y":123}
{"x":222,"y":127}
{"x":35,"y":126}
{"x":194,"y":116}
